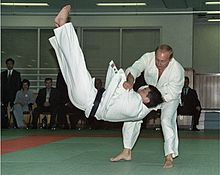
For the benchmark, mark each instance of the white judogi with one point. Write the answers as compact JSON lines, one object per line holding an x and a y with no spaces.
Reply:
{"x":170,"y":85}
{"x":117,"y":104}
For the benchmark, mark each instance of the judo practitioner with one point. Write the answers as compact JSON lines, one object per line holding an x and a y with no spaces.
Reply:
{"x":116,"y":103}
{"x":164,"y":72}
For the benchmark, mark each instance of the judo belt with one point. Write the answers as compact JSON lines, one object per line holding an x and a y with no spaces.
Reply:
{"x":96,"y":102}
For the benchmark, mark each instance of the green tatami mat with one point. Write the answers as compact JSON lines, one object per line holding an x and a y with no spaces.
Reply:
{"x":88,"y":155}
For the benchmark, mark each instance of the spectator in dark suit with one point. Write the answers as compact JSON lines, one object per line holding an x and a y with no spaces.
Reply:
{"x":10,"y":84}
{"x":66,"y":107}
{"x":47,"y":101}
{"x":190,"y":104}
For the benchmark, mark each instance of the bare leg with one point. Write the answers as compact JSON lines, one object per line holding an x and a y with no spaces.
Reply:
{"x":124,"y":155}
{"x":168,"y":161}
{"x":62,"y":16}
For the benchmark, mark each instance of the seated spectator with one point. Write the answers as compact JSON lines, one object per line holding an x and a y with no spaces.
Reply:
{"x":47,"y":101}
{"x":190,"y":104}
{"x":66,"y":107}
{"x":23,"y":102}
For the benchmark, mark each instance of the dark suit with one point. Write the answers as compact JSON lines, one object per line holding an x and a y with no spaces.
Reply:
{"x":9,"y":87}
{"x":189,"y":103}
{"x":40,"y":100}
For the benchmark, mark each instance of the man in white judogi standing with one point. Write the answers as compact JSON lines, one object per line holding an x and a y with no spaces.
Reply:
{"x":164,"y":72}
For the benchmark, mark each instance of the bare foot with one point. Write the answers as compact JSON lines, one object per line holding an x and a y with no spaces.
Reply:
{"x":168,"y":162}
{"x":62,"y":16}
{"x":124,"y":155}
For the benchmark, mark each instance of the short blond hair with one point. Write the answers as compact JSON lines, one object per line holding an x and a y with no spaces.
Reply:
{"x":166,"y":48}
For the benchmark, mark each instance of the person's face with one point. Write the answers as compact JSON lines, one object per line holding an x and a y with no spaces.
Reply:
{"x":162,"y":59}
{"x":9,"y":65}
{"x":48,"y":84}
{"x":25,"y":86}
{"x":143,"y":91}
{"x":186,"y":83}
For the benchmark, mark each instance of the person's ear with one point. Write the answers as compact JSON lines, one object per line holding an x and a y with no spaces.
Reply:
{"x":146,"y":100}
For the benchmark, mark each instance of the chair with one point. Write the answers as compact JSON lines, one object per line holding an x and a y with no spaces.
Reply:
{"x":153,"y":120}
{"x":184,"y":121}
{"x":44,"y":116}
{"x":10,"y":117}
{"x":68,"y":120}
{"x":27,"y":118}
{"x":81,"y":123}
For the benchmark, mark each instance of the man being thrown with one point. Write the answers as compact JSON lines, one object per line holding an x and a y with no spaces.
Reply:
{"x":117,"y":103}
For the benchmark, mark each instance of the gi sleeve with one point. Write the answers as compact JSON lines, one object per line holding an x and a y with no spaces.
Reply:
{"x":138,"y":66}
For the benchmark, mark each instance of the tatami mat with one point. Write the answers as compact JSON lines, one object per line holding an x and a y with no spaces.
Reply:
{"x":87,"y":152}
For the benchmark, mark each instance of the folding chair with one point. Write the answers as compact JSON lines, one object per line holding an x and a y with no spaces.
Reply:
{"x":27,"y":118}
{"x":44,"y":116}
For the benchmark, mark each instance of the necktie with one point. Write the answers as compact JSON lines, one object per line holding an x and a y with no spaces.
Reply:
{"x":185,"y":91}
{"x":9,"y":77}
{"x":9,"y":74}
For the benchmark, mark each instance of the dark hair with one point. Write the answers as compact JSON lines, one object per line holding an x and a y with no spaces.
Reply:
{"x":10,"y":59}
{"x":186,"y":78}
{"x":165,"y":47}
{"x":25,"y":81}
{"x":155,"y":97}
{"x":46,"y":79}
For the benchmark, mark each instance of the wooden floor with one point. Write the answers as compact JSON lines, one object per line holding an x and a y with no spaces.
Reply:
{"x":87,"y":152}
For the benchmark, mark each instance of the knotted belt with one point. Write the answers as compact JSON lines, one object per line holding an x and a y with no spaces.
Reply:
{"x":96,"y":102}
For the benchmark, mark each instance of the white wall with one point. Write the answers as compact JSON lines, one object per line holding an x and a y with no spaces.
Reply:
{"x":206,"y":56}
{"x":176,"y":30}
